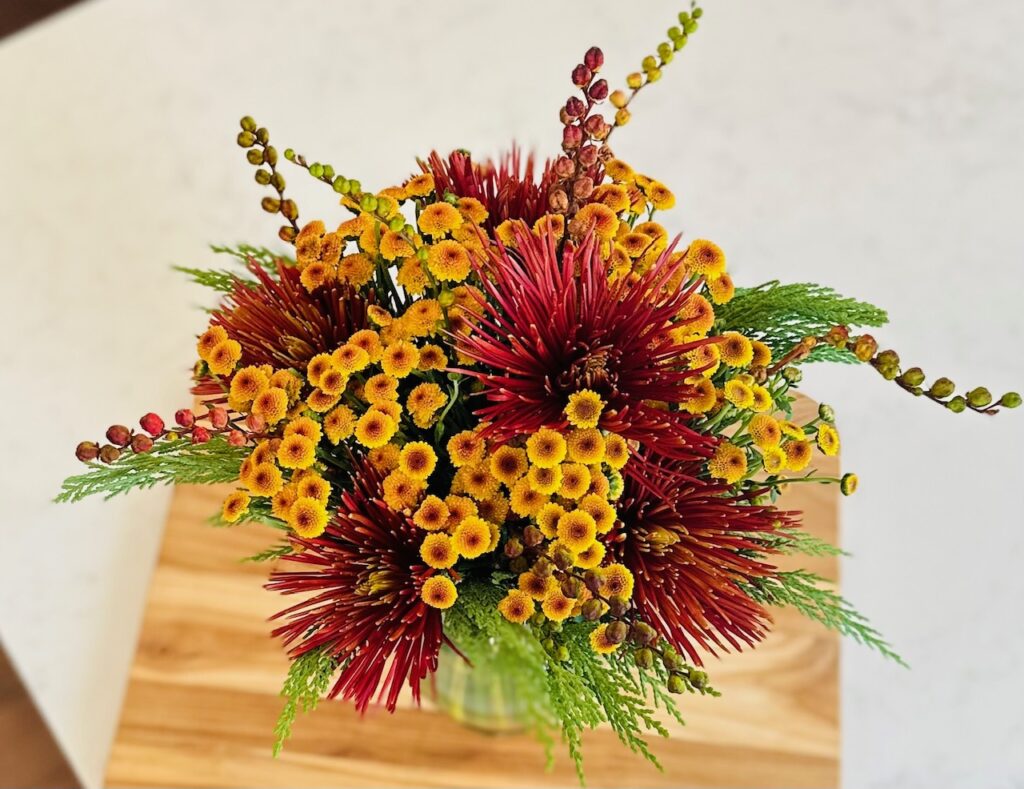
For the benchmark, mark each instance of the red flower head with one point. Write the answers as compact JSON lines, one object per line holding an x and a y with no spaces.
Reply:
{"x":555,"y":326}
{"x":363,"y":599}
{"x":506,"y":188}
{"x":689,"y":543}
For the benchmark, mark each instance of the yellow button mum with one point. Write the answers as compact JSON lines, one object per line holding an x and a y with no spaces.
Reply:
{"x":577,"y":530}
{"x":308,"y":517}
{"x":235,"y":506}
{"x":296,"y":451}
{"x":432,"y":514}
{"x":546,"y":448}
{"x":438,"y":552}
{"x":728,"y":463}
{"x":439,"y":592}
{"x":517,"y":606}
{"x":375,"y":429}
{"x":600,"y":642}
{"x":439,"y":219}
{"x":472,"y":537}
{"x":417,"y":459}
{"x":448,"y":261}
{"x":584,"y":408}
{"x":586,"y":446}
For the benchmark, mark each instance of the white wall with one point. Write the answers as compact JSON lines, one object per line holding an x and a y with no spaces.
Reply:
{"x":873,"y":146}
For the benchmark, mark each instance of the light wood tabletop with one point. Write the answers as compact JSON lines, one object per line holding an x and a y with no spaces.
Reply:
{"x":203,"y":696}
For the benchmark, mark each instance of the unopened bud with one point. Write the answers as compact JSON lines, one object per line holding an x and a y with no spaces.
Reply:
{"x":616,"y":632}
{"x":236,"y":438}
{"x":588,"y":155}
{"x":956,"y":404}
{"x":698,"y":678}
{"x":593,"y":581}
{"x":865,"y":347}
{"x":562,"y":654}
{"x":543,"y":567}
{"x":575,"y":107}
{"x":581,"y":76}
{"x":109,"y":453}
{"x":599,"y":90}
{"x":513,"y":548}
{"x":676,"y":684}
{"x":618,"y":606}
{"x":200,"y":435}
{"x":594,"y":59}
{"x":218,"y":418}
{"x":980,"y":397}
{"x":792,"y":374}
{"x":635,"y":80}
{"x":119,"y":435}
{"x":255,"y":423}
{"x":184,"y":417}
{"x":618,"y":99}
{"x":248,"y":124}
{"x":848,"y":484}
{"x":572,"y":136}
{"x":913,"y":377}
{"x":837,"y":336}
{"x":558,"y":201}
{"x":582,"y":188}
{"x":644,"y":658}
{"x":562,"y":558}
{"x":572,"y":587}
{"x":942,"y":387}
{"x":564,"y":167}
{"x":519,"y":565}
{"x":1010,"y":400}
{"x":141,"y":443}
{"x":532,"y":536}
{"x":826,"y":413}
{"x":87,"y":450}
{"x":246,"y":139}
{"x":592,"y":610}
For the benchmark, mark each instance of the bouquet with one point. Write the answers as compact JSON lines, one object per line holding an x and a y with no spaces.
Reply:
{"x":500,"y":414}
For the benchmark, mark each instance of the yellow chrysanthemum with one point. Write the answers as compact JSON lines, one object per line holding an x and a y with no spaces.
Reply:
{"x":339,"y":423}
{"x":697,"y":315}
{"x":762,"y":399}
{"x":550,"y":224}
{"x":557,"y":606}
{"x":209,"y":340}
{"x":635,"y":244}
{"x":798,"y":454}
{"x":791,"y":429}
{"x":616,"y":581}
{"x":600,"y":510}
{"x":544,"y":479}
{"x":350,"y":358}
{"x":828,"y":440}
{"x":728,"y":463}
{"x":547,"y":518}
{"x":317,"y":366}
{"x":426,"y":399}
{"x":600,"y":642}
{"x":355,"y":269}
{"x":439,"y":219}
{"x":224,"y":357}
{"x":375,"y":429}
{"x":660,"y":196}
{"x":615,"y":196}
{"x":517,"y":606}
{"x":369,"y":341}
{"x":247,"y":383}
{"x":721,"y":288}
{"x":439,"y":592}
{"x":739,"y":393}
{"x":393,"y":245}
{"x":296,"y":451}
{"x":705,"y":257}
{"x":546,"y":448}
{"x":311,"y":485}
{"x":235,"y":506}
{"x":508,"y":464}
{"x":584,"y":408}
{"x":591,"y":557}
{"x":537,"y":586}
{"x":271,"y":404}
{"x":333,"y":382}
{"x":380,"y":388}
{"x":432,"y":514}
{"x":448,"y":261}
{"x":401,"y":492}
{"x":384,"y":458}
{"x":577,"y":530}
{"x":736,"y":350}
{"x":308,"y":517}
{"x":304,"y":426}
{"x":417,"y":459}
{"x":420,"y":185}
{"x":316,"y":275}
{"x":774,"y":459}
{"x":619,"y":171}
{"x":432,"y":357}
{"x":703,"y":398}
{"x":478,"y":481}
{"x":472,"y":537}
{"x":762,"y":354}
{"x":282,"y":501}
{"x":616,"y":451}
{"x":321,"y":402}
{"x":438,"y":552}
{"x":494,"y":509}
{"x":412,"y":277}
{"x":459,"y":508}
{"x":472,"y":209}
{"x":399,"y":359}
{"x":597,"y":218}
{"x":765,"y":431}
{"x":575,"y":480}
{"x":524,"y":500}
{"x":586,"y":446}
{"x":466,"y":448}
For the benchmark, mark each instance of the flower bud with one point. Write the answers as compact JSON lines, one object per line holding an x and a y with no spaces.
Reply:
{"x":592,"y":579}
{"x":236,"y":438}
{"x":942,"y":387}
{"x":119,"y":435}
{"x":287,"y":233}
{"x":575,"y":107}
{"x":572,"y":587}
{"x":246,"y":139}
{"x":218,"y":418}
{"x":248,"y":124}
{"x":848,"y":484}
{"x":543,"y":567}
{"x":582,"y":188}
{"x":644,"y":658}
{"x":618,"y":606}
{"x":1010,"y":400}
{"x":978,"y":398}
{"x":865,"y":347}
{"x":642,"y":633}
{"x":564,"y":117}
{"x":599,"y":90}
{"x":622,"y":117}
{"x":588,"y":155}
{"x":649,"y":63}
{"x":837,"y":336}
{"x":698,"y":678}
{"x":956,"y":404}
{"x":594,"y":125}
{"x":826,"y":413}
{"x":792,"y":375}
{"x":254,"y":156}
{"x":513,"y":548}
{"x":572,"y":136}
{"x":635,"y":80}
{"x":270,"y":204}
{"x":262,"y":177}
{"x":562,"y":654}
{"x":913,"y":377}
{"x":672,"y":660}
{"x":594,"y":59}
{"x":141,"y":443}
{"x":184,"y":417}
{"x":532,"y":536}
{"x":87,"y":450}
{"x":618,"y":98}
{"x":564,"y":167}
{"x":581,"y":76}
{"x":519,"y":565}
{"x":108,"y":453}
{"x":676,"y":684}
{"x":562,"y":558}
{"x":558,"y":201}
{"x":200,"y":435}
{"x":616,"y":632}
{"x":255,"y":423}
{"x":592,"y":610}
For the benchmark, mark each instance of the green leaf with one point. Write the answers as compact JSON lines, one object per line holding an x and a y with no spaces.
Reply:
{"x":308,"y":678}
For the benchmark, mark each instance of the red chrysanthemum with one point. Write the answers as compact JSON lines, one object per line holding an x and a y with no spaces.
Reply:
{"x":690,"y":544}
{"x":506,"y":188}
{"x":280,"y":323}
{"x":553,"y":325}
{"x":363,"y":599}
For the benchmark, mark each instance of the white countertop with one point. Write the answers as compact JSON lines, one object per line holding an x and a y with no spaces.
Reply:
{"x":875,"y":148}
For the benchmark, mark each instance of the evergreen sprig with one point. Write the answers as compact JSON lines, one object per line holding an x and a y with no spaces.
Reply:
{"x":308,"y":678}
{"x":220,"y":280}
{"x":173,"y":462}
{"x":803,"y":591}
{"x":782,"y":315}
{"x":797,"y":541}
{"x":243,"y":252}
{"x":274,"y":552}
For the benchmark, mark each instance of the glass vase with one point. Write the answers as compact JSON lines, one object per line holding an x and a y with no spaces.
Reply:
{"x":475,"y":696}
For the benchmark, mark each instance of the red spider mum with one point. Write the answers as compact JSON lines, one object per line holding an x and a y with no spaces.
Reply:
{"x":554,"y":326}
{"x":280,"y":323}
{"x":689,"y":543}
{"x":507,"y":188}
{"x":362,"y":597}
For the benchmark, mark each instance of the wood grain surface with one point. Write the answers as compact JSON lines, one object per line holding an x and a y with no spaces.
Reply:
{"x":202,"y":696}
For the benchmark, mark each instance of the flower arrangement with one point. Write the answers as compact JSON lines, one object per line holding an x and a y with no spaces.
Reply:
{"x":501,"y":410}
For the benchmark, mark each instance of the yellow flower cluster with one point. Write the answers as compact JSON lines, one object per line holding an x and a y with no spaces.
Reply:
{"x":782,"y":444}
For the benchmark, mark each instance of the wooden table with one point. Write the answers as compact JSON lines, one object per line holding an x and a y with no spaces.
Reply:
{"x":202,"y":694}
